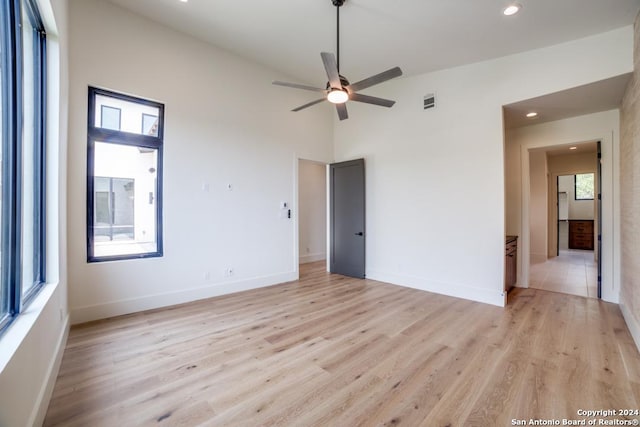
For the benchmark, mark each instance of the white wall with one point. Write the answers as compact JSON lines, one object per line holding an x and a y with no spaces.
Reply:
{"x":33,"y":345}
{"x":312,"y":211}
{"x":538,"y":206}
{"x":225,"y":124}
{"x":604,"y":127}
{"x":435,"y":178}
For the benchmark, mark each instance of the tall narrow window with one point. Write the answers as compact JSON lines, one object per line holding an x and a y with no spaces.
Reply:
{"x":5,"y":104}
{"x":33,"y":150}
{"x":124,"y":185}
{"x":22,"y":156}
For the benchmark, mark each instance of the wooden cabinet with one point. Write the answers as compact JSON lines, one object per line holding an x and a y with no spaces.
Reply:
{"x":581,"y":234}
{"x":511,"y":262}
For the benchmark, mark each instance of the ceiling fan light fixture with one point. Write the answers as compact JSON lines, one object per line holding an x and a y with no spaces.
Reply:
{"x":512,"y":9}
{"x":338,"y":96}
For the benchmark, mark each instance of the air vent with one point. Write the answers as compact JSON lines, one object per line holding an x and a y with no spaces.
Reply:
{"x":429,"y":101}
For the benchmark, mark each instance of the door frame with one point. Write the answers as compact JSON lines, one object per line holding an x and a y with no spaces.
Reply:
{"x":554,"y":187}
{"x":598,"y":201}
{"x":554,"y":183}
{"x":558,"y":215}
{"x":610,"y":254}
{"x":295,"y":210}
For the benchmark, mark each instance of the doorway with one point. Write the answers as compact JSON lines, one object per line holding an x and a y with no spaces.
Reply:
{"x":568,"y":263}
{"x":312,"y":214}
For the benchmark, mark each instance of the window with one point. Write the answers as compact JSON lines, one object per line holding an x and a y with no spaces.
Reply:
{"x":149,"y":125}
{"x":113,"y":213}
{"x":584,"y":186}
{"x":110,"y":117}
{"x":22,"y":156}
{"x":4,"y":105}
{"x":124,"y":183}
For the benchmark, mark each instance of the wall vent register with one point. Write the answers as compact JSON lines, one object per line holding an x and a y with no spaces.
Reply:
{"x":429,"y":101}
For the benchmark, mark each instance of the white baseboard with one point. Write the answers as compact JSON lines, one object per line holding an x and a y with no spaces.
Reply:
{"x":134,"y":305}
{"x":44,"y":396}
{"x":459,"y":291}
{"x":304,"y":259}
{"x":632,"y":324}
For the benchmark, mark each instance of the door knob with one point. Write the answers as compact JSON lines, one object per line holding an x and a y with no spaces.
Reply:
{"x":360,"y":233}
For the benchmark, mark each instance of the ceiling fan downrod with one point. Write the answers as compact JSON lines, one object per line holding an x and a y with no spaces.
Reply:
{"x":338,"y":4}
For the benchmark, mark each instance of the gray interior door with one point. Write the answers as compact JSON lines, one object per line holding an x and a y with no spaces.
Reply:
{"x":347,"y":218}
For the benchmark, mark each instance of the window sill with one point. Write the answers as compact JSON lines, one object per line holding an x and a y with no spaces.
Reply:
{"x":15,"y":334}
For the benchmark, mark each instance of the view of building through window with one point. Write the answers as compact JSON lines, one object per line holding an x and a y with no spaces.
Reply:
{"x":125,"y":169}
{"x":125,"y":200}
{"x":126,"y":116}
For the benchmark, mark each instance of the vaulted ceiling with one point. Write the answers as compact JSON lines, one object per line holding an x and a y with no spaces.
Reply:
{"x":417,"y":35}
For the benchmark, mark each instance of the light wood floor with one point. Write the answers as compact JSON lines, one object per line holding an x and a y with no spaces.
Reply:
{"x":333,"y":351}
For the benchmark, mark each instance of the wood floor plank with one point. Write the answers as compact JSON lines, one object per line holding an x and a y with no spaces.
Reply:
{"x":329,"y":350}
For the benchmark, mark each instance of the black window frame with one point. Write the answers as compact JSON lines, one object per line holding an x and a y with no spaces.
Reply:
{"x":98,"y":134}
{"x":12,"y":57}
{"x":575,"y":186}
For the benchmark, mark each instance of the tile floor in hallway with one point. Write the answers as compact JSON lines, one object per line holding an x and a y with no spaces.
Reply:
{"x":573,"y":272}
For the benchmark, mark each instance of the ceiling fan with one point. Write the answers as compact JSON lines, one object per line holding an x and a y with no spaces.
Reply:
{"x":338,"y":89}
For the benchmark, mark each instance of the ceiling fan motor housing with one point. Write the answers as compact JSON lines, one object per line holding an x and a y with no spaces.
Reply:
{"x":343,"y":82}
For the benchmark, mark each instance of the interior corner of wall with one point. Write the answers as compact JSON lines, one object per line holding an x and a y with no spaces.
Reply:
{"x":632,"y":323}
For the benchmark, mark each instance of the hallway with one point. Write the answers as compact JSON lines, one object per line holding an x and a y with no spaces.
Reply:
{"x":572,"y":272}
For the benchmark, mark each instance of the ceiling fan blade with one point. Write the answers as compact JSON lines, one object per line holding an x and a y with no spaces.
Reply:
{"x":358,"y":97}
{"x":309,"y":104}
{"x":342,"y":111}
{"x":298,"y":86}
{"x":377,"y":79}
{"x":331,"y":67}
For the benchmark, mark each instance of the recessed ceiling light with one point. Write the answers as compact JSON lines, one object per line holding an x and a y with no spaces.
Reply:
{"x":512,"y":9}
{"x":573,"y":148}
{"x":532,"y":114}
{"x":184,"y":1}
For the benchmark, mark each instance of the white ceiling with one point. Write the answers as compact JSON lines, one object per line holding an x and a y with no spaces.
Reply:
{"x":566,"y":150}
{"x":592,"y":98}
{"x":417,"y":35}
